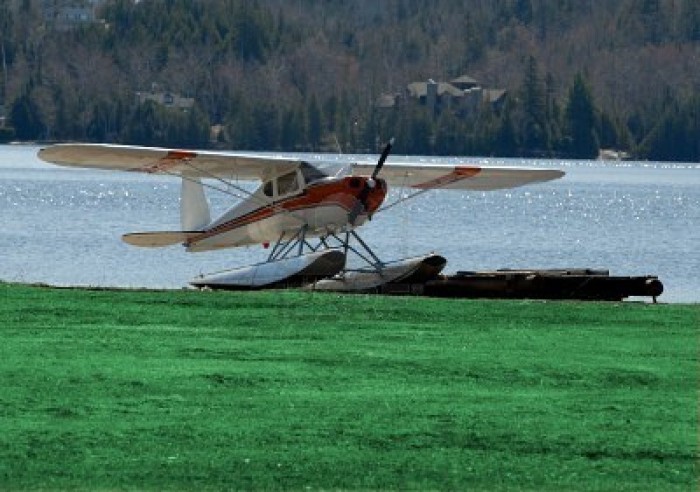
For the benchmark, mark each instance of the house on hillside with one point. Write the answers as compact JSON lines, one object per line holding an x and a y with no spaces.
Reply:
{"x":465,"y":82}
{"x":386,"y":100}
{"x":463,"y":96}
{"x":165,"y":98}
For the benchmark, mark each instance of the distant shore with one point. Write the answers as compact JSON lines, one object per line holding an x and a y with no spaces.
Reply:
{"x":611,"y":155}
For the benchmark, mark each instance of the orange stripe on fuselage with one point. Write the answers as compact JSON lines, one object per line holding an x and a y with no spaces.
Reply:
{"x":339,"y":193}
{"x":457,"y":174}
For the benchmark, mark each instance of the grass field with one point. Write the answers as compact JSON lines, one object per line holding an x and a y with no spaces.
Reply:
{"x":285,"y":390}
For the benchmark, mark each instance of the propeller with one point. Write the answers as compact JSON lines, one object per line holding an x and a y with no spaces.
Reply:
{"x":382,"y":159}
{"x":370,"y":183}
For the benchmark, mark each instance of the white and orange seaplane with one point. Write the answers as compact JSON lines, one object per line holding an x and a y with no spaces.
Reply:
{"x":306,"y":213}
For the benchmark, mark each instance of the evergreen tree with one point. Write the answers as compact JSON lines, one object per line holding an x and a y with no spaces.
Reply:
{"x":369,"y":132}
{"x":653,"y":19}
{"x":535,"y":135}
{"x":98,"y":126}
{"x":506,"y":140}
{"x":449,"y":134}
{"x":690,"y":19}
{"x":27,"y":119}
{"x":144,"y":127}
{"x":6,"y":28}
{"x":330,"y":113}
{"x":346,"y":123}
{"x":314,"y":128}
{"x":523,"y":11}
{"x":675,"y":137}
{"x":420,"y":134}
{"x":580,"y":115}
{"x":608,"y":132}
{"x":239,"y":124}
{"x":265,"y":127}
{"x":197,"y":128}
{"x":252,"y":32}
{"x":290,"y":130}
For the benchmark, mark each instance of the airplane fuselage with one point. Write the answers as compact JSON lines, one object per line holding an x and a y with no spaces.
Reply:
{"x":320,"y":207}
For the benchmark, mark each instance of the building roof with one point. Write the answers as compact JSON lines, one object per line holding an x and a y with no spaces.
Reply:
{"x":420,"y":89}
{"x":386,"y":100}
{"x":464,"y":80}
{"x":493,"y":95}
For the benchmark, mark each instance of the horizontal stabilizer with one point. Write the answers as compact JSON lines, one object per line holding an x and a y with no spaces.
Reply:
{"x":158,"y":239}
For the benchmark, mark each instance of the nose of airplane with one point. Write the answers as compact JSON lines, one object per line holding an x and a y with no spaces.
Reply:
{"x":369,"y":194}
{"x":376,"y":196}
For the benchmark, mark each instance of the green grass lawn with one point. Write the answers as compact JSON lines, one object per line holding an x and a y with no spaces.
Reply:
{"x":287,"y":390}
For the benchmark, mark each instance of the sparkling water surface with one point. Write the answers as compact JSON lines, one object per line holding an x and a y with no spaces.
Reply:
{"x":63,"y":226}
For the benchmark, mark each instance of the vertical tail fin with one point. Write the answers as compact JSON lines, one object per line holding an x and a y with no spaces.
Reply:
{"x":194,"y":208}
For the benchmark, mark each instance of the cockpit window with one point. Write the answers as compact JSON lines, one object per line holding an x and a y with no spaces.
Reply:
{"x":267,"y":189}
{"x":287,"y":183}
{"x":311,"y":173}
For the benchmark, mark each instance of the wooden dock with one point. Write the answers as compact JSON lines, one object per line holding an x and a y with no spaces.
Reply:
{"x":575,"y":283}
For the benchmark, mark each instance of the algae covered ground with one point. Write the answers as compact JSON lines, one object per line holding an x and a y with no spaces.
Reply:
{"x":285,"y":390}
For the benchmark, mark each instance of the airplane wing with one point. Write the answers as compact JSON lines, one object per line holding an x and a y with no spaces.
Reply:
{"x":458,"y":177}
{"x":153,"y":160}
{"x":229,"y":165}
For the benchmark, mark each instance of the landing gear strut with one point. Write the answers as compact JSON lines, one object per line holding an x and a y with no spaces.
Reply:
{"x":300,"y":244}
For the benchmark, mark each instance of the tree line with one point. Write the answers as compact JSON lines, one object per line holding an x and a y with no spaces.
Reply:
{"x":307,"y":75}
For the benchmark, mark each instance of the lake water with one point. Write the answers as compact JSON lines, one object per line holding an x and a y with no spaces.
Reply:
{"x":63,"y":226}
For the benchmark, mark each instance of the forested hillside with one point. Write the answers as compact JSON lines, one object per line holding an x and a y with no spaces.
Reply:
{"x":310,"y":75}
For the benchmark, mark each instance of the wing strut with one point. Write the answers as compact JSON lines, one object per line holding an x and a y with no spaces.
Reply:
{"x":403,"y":199}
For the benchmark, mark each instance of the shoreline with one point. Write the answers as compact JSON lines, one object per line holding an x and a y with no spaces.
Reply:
{"x":116,"y":289}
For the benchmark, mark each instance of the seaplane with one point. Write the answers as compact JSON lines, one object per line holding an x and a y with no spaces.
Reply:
{"x":306,"y":212}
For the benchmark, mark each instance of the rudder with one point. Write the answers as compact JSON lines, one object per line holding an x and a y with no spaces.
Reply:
{"x":194,"y":208}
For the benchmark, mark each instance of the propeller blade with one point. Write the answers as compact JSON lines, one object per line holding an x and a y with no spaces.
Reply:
{"x":361,"y":204}
{"x":382,"y":158}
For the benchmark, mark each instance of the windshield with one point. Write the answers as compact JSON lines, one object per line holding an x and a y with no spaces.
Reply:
{"x":311,"y":173}
{"x":287,"y":183}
